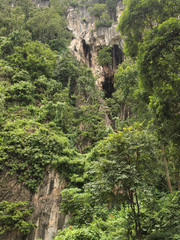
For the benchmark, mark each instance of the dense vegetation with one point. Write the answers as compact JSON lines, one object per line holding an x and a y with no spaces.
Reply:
{"x":123,"y":180}
{"x":103,"y":11}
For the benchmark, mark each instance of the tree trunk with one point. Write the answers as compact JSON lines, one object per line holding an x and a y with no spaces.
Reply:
{"x":166,"y":169}
{"x":136,"y":219}
{"x":122,"y":114}
{"x":177,"y":179}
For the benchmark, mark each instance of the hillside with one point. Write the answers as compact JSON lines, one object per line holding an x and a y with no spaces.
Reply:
{"x":89,"y":120}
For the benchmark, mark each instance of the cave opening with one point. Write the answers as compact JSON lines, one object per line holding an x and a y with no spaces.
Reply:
{"x":108,"y":87}
{"x":87,"y":54}
{"x":117,"y":56}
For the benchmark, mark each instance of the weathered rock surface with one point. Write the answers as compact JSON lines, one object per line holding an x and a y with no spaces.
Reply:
{"x":46,"y":202}
{"x":88,"y":41}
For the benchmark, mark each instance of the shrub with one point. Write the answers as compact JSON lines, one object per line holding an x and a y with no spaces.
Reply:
{"x":21,"y":92}
{"x":13,"y":216}
{"x":104,"y":56}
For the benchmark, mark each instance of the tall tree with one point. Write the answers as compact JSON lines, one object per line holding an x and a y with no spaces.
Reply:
{"x":120,"y":165}
{"x":140,"y":16}
{"x":158,"y":63}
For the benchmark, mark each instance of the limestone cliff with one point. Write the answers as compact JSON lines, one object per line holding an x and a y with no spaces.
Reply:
{"x":45,"y":202}
{"x":88,"y":41}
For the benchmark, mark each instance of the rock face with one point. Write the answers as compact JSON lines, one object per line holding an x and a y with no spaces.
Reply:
{"x":88,"y":41}
{"x":46,"y":202}
{"x":41,"y":3}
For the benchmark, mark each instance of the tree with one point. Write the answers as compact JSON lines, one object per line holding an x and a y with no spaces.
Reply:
{"x":21,"y":92}
{"x":14,"y":18}
{"x":28,"y":147}
{"x":97,"y":9}
{"x":120,"y":164}
{"x":66,"y":70}
{"x":35,"y":57}
{"x":158,"y":62}
{"x":47,"y":26}
{"x":13,"y":216}
{"x":104,"y":56}
{"x":103,"y":21}
{"x":140,"y":16}
{"x":125,"y":85}
{"x":159,"y":76}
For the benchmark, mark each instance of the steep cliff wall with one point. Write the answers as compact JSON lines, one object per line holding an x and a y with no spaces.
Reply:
{"x":88,"y":41}
{"x":45,"y":202}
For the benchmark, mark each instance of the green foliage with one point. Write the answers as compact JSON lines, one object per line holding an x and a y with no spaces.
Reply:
{"x":127,"y":102}
{"x":12,"y":19}
{"x":103,"y":21}
{"x":49,"y":27}
{"x":2,"y":102}
{"x":58,"y":6}
{"x":6,"y":46}
{"x":111,"y":6}
{"x":61,"y":113}
{"x":120,"y":163}
{"x":88,"y":233}
{"x":46,"y":88}
{"x":103,"y":14}
{"x":21,"y":92}
{"x":27,"y":148}
{"x":13,"y":216}
{"x":50,"y":107}
{"x":97,"y":9}
{"x":125,"y":86}
{"x":86,"y":86}
{"x":101,"y":6}
{"x":91,"y":126}
{"x":140,"y":16}
{"x":19,"y":37}
{"x":104,"y":56}
{"x":77,"y":203}
{"x":21,"y":76}
{"x":34,"y":57}
{"x":159,"y":75}
{"x":25,"y":22}
{"x":106,"y":225}
{"x":161,"y":219}
{"x":5,"y":71}
{"x":66,"y":69}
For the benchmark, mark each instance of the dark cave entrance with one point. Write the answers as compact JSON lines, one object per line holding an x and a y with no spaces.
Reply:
{"x":108,"y":87}
{"x":117,"y":56}
{"x":87,"y":54}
